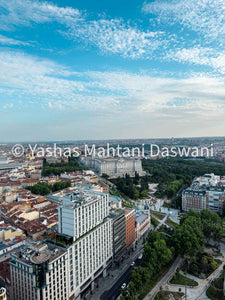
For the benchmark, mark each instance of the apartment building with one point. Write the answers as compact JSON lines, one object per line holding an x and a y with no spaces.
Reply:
{"x":39,"y":271}
{"x":215,"y":198}
{"x":206,"y":192}
{"x":194,"y":199}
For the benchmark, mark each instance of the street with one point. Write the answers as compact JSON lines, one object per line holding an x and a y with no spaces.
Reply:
{"x":115,"y":291}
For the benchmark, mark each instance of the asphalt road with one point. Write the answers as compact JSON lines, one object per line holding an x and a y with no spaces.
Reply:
{"x":115,"y":290}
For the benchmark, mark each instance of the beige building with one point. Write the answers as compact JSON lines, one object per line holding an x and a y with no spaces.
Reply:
{"x":32,"y":215}
{"x":113,"y":166}
{"x":8,"y":233}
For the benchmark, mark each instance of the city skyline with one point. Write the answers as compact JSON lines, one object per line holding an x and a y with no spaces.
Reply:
{"x":83,"y":71}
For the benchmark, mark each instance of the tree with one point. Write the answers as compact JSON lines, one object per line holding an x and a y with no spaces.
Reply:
{"x":144,"y":194}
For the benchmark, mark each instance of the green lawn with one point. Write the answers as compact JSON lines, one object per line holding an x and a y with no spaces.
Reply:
{"x":180,"y":279}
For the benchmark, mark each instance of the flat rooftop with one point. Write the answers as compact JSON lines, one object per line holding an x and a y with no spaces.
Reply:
{"x":38,"y":253}
{"x":81,"y":197}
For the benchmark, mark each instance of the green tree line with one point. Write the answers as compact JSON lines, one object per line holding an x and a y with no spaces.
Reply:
{"x":43,"y":188}
{"x":58,"y":168}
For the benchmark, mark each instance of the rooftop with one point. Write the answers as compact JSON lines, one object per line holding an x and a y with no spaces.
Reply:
{"x":38,"y":253}
{"x":82,"y":197}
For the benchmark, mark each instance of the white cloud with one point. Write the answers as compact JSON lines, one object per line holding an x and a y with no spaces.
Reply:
{"x":26,"y":12}
{"x":199,"y":56}
{"x":203,"y":16}
{"x":9,"y":41}
{"x":29,"y":78}
{"x":114,"y":36}
{"x":117,"y":37}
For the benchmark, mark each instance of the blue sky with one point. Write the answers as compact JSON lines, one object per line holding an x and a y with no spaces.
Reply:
{"x":111,"y":69}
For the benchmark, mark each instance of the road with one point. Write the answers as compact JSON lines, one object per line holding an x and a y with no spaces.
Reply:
{"x":115,"y":291}
{"x":105,"y":284}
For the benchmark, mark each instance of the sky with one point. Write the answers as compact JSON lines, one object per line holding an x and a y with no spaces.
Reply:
{"x":78,"y":70}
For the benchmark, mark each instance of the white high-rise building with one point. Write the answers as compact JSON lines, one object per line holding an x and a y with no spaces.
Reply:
{"x":82,"y":211}
{"x":39,"y":271}
{"x":84,"y":216}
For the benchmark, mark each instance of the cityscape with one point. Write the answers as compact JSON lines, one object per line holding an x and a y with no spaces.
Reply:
{"x":112,"y":150}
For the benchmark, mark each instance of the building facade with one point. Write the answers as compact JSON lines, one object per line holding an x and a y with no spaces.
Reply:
{"x":114,"y":166}
{"x":81,"y":211}
{"x":39,"y":272}
{"x":194,"y":199}
{"x":130,"y":227}
{"x":85,"y":217}
{"x":143,"y":223}
{"x":119,"y":234}
{"x":215,"y":198}
{"x":206,"y":192}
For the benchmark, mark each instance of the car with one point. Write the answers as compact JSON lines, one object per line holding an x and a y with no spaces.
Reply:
{"x":132,"y":264}
{"x":140,"y":256}
{"x":123,"y":285}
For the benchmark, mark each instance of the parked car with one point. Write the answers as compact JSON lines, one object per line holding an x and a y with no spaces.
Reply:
{"x":140,"y":256}
{"x":132,"y":264}
{"x":123,"y":285}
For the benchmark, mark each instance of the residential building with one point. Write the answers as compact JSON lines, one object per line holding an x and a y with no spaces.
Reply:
{"x":194,"y":199}
{"x":39,"y":271}
{"x":215,"y":198}
{"x":8,"y":245}
{"x":9,"y":232}
{"x":206,"y":192}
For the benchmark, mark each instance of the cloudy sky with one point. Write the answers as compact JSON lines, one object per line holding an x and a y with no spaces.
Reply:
{"x":72,"y":69}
